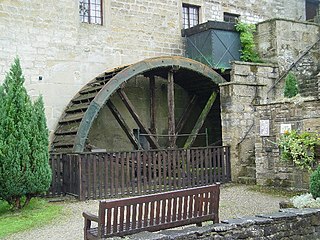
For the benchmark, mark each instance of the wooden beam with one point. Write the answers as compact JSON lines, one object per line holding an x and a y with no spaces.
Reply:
{"x":153,"y":109}
{"x":171,"y":120}
{"x":200,"y":121}
{"x":123,"y":125}
{"x":153,"y":142}
{"x":186,"y":114}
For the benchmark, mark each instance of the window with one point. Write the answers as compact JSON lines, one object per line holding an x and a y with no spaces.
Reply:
{"x":190,"y":15}
{"x":230,"y":17}
{"x":312,"y":7}
{"x":90,"y":11}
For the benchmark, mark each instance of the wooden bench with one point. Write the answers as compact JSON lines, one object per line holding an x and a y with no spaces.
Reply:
{"x":153,"y":212}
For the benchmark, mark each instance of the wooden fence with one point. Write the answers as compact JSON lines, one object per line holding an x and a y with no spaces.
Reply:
{"x":119,"y":174}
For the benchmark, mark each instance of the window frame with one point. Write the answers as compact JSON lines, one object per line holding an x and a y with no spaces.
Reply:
{"x":310,"y":14}
{"x":190,"y":15}
{"x":87,"y":16}
{"x":230,"y":16}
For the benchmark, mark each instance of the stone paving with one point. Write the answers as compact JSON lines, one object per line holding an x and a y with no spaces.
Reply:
{"x":235,"y":201}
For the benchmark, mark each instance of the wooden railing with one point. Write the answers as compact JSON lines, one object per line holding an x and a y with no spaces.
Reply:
{"x":119,"y":174}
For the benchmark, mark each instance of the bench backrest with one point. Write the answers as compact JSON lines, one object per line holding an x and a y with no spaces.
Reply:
{"x":155,"y":212}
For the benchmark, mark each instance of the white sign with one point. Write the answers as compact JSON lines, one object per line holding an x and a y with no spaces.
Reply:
{"x":264,"y":128}
{"x":285,"y":128}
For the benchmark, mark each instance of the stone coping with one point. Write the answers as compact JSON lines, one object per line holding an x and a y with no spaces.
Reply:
{"x":280,"y":223}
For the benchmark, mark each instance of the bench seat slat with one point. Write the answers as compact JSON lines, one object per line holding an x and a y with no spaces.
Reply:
{"x":94,"y":231}
{"x":154,"y":212}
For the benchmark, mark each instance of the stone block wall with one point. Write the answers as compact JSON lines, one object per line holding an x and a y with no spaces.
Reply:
{"x":287,"y":224}
{"x":286,"y":42}
{"x":255,"y":11}
{"x":55,"y":46}
{"x":301,"y":116}
{"x":248,"y":86}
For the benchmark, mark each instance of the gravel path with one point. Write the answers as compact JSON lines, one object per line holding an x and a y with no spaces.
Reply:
{"x":235,"y":201}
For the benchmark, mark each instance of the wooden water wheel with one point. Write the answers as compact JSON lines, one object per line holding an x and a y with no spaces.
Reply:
{"x":196,"y":78}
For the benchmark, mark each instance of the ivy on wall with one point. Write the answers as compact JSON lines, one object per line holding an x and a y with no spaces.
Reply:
{"x":248,"y":47}
{"x":299,"y":148}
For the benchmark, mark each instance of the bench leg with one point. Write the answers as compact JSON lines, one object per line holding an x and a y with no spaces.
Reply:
{"x":87,"y":225}
{"x":199,"y":224}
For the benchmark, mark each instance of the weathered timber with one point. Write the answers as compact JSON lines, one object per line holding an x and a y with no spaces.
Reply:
{"x":64,"y":140}
{"x":91,"y":88}
{"x":71,"y":127}
{"x":171,"y":119}
{"x":84,"y":97}
{"x":152,"y":104}
{"x":200,"y":121}
{"x":114,"y":78}
{"x":186,"y":114}
{"x":123,"y":125}
{"x":81,"y":107}
{"x":117,"y":174}
{"x":178,"y":208}
{"x":153,"y":142}
{"x":72,"y":117}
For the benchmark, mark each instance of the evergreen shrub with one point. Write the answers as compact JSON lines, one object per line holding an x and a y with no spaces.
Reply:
{"x":315,"y":183}
{"x":24,"y":165}
{"x":291,"y":86}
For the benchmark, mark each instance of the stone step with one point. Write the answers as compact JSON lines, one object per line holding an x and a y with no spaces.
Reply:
{"x":247,"y":180}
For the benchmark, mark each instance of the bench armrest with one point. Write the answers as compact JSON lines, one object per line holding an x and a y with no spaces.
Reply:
{"x":90,"y":217}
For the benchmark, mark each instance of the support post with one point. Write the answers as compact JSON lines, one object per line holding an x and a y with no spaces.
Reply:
{"x":153,"y":142}
{"x":171,"y":120}
{"x":123,"y":125}
{"x":200,"y":121}
{"x":186,"y":114}
{"x":152,"y":104}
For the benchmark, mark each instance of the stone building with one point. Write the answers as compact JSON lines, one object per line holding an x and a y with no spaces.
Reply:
{"x":63,"y":45}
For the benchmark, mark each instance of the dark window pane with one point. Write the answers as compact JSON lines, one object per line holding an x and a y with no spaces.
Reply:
{"x":311,"y":9}
{"x":230,"y":17}
{"x":190,"y":15}
{"x":90,"y":11}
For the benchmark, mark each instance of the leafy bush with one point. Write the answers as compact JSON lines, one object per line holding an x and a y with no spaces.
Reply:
{"x":299,"y":148}
{"x":315,"y":183}
{"x":248,"y":47}
{"x":305,"y":201}
{"x":291,"y":86}
{"x":24,"y":168}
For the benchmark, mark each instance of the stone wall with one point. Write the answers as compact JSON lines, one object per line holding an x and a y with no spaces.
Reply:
{"x":55,"y":46}
{"x":287,"y":224}
{"x":248,"y":86}
{"x":301,"y":116}
{"x":284,"y":42}
{"x":255,"y":10}
{"x":247,"y":99}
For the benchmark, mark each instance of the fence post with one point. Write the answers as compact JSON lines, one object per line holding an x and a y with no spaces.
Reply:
{"x":80,"y":184}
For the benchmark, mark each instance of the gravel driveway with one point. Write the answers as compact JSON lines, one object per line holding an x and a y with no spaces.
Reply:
{"x":235,"y":201}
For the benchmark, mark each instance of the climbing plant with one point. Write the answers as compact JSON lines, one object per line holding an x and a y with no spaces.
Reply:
{"x":248,"y":47}
{"x":315,"y":183}
{"x":291,"y":86}
{"x":299,"y":148}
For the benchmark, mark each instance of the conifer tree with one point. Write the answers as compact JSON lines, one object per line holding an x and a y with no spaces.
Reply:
{"x":291,"y":86}
{"x":21,"y":170}
{"x":39,"y":179}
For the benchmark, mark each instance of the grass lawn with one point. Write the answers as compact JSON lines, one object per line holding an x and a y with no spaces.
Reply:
{"x":38,"y":213}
